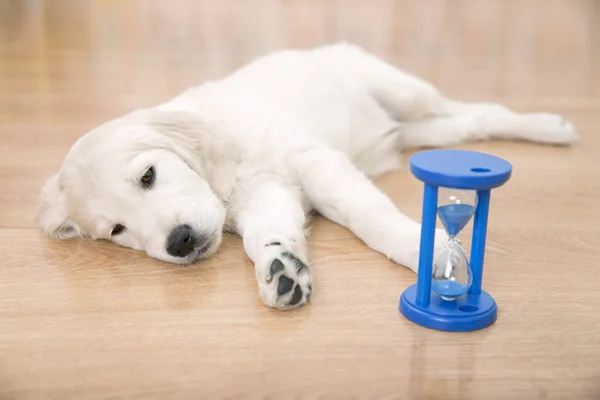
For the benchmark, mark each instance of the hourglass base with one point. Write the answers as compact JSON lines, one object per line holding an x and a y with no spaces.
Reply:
{"x":467,"y":313}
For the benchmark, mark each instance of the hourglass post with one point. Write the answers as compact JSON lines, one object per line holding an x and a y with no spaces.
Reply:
{"x":478,"y":239}
{"x":426,"y":247}
{"x":448,"y":294}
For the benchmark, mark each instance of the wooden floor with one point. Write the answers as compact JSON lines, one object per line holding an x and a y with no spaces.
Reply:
{"x":89,"y":320}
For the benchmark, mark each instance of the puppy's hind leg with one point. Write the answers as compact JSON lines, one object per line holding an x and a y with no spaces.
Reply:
{"x":409,"y":99}
{"x":500,"y":122}
{"x":482,"y":121}
{"x":271,"y":222}
{"x":402,"y":95}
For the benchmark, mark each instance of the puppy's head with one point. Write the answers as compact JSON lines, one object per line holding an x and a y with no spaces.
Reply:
{"x":142,"y":181}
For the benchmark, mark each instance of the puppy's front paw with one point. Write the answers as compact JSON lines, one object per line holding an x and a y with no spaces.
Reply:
{"x":284,"y":280}
{"x":413,"y":247}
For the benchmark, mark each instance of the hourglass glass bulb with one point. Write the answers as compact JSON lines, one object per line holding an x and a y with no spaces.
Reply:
{"x":455,"y":209}
{"x":451,"y":272}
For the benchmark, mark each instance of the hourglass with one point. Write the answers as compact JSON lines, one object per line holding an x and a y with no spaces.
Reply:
{"x":448,"y":295}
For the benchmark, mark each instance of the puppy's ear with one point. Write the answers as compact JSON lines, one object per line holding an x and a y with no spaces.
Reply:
{"x":187,"y":137}
{"x":53,"y":217}
{"x":199,"y":142}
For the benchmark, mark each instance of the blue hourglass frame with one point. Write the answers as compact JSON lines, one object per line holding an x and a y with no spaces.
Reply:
{"x":453,"y":169}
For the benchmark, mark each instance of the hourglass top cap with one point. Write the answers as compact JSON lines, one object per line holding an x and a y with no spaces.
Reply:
{"x":460,"y":169}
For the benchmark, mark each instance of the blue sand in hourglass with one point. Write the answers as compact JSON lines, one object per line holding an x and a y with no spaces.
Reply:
{"x":455,"y":217}
{"x":449,"y":289}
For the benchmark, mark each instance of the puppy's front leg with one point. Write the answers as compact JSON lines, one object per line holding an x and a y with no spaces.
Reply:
{"x":271,"y":222}
{"x":339,"y":191}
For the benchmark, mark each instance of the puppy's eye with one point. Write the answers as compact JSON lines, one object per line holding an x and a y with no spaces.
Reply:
{"x":118,"y":228}
{"x":148,"y":177}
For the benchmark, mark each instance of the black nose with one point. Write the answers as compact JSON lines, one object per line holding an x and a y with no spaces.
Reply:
{"x":181,"y":241}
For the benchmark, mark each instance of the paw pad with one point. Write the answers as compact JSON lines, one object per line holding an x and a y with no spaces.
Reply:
{"x":276,"y":267}
{"x":297,"y":296}
{"x":285,"y":285}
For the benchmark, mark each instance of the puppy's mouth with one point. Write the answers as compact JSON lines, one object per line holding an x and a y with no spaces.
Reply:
{"x":204,"y":248}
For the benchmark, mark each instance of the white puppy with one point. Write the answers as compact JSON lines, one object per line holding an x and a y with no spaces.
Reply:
{"x":292,"y":132}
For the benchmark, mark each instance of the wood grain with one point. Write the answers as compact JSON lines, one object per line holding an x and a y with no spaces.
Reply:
{"x":89,"y":320}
